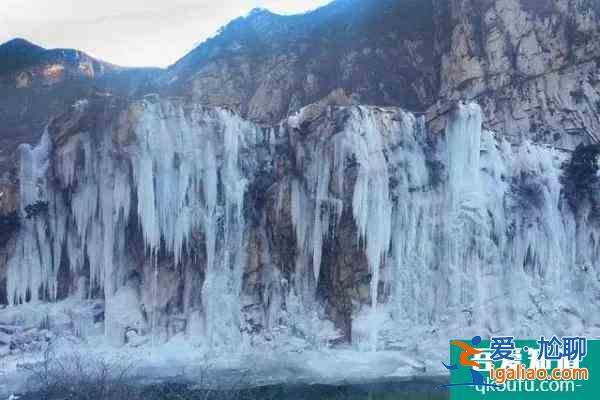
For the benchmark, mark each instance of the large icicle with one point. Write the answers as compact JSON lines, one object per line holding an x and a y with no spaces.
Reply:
{"x":31,"y":270}
{"x":363,"y":141}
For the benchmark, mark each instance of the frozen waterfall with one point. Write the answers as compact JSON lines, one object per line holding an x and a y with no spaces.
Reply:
{"x":384,"y":232}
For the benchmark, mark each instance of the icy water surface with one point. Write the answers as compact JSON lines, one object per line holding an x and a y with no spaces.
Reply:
{"x":414,"y":390}
{"x":374,"y":391}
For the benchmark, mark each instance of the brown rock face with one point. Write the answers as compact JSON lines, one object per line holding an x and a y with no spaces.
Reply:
{"x":267,"y":66}
{"x":532,"y":65}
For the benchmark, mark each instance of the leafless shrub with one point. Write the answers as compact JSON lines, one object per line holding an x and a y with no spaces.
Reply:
{"x":80,"y":377}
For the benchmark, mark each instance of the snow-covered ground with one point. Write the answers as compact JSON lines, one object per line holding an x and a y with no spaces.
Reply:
{"x":181,"y":360}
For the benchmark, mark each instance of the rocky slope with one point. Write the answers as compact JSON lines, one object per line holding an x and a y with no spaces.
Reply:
{"x":266,"y":66}
{"x":532,"y":65}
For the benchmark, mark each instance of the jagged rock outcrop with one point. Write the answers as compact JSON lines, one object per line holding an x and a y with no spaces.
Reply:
{"x":534,"y":66}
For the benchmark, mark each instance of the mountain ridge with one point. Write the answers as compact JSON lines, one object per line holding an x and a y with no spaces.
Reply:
{"x":37,"y":84}
{"x":365,"y":48}
{"x":418,"y":55}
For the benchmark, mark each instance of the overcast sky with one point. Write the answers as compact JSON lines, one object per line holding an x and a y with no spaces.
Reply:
{"x":129,"y":32}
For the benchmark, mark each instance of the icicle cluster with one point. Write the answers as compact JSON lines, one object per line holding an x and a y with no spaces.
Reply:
{"x":363,"y":142}
{"x":461,"y":230}
{"x":32,"y":268}
{"x":177,"y":174}
{"x":452,"y":226}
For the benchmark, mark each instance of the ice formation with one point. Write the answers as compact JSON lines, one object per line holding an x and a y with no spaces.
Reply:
{"x":362,"y":140}
{"x":182,"y":177}
{"x":461,"y":233}
{"x":31,"y":270}
{"x":469,"y":233}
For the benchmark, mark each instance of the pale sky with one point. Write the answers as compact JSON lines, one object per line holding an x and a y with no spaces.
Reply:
{"x":130,"y":32}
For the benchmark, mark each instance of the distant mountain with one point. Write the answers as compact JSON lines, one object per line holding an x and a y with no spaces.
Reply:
{"x":37,"y":84}
{"x":18,"y":53}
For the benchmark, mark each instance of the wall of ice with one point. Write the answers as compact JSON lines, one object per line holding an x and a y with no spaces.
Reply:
{"x":121,"y":205}
{"x":163,"y":213}
{"x":463,"y":235}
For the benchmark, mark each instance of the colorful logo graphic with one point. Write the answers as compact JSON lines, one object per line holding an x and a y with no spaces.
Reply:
{"x":505,"y":368}
{"x":468,"y":351}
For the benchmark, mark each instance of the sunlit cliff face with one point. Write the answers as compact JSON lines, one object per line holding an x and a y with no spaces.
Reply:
{"x":54,"y":72}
